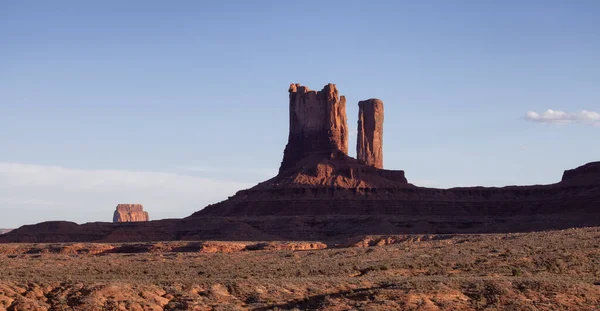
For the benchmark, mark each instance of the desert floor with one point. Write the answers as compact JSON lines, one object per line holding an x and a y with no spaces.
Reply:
{"x":556,"y":270}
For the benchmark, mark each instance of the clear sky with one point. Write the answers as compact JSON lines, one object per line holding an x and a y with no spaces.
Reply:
{"x":178,"y":104}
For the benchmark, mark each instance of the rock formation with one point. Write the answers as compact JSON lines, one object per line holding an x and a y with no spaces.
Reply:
{"x":315,"y":180}
{"x":369,"y":144}
{"x":322,"y":193}
{"x":3,"y":231}
{"x":130,"y":213}
{"x":585,"y":174}
{"x":317,"y":125}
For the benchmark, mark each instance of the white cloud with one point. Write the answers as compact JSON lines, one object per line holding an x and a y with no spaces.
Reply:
{"x":34,"y":193}
{"x":561,"y":117}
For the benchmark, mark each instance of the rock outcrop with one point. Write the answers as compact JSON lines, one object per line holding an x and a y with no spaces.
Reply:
{"x":318,"y":125}
{"x":130,"y":213}
{"x":369,"y":144}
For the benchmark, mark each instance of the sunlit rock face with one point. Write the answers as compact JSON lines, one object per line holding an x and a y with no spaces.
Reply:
{"x":318,"y":125}
{"x":130,"y":213}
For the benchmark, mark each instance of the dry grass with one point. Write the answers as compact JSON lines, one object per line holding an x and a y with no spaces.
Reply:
{"x":556,"y":270}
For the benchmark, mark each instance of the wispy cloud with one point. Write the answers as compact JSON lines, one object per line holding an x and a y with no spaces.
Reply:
{"x":561,"y":117}
{"x":265,"y":172}
{"x":424,"y":183}
{"x":34,"y":193}
{"x":23,"y":201}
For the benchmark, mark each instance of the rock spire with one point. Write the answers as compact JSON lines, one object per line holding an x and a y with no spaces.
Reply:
{"x":318,"y":125}
{"x":369,"y":144}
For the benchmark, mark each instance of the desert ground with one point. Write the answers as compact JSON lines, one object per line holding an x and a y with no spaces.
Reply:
{"x":553,"y":270}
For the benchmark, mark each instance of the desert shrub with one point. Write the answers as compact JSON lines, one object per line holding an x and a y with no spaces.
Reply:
{"x":516,"y":271}
{"x":253,"y":298}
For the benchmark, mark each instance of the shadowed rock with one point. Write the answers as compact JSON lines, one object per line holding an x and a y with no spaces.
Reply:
{"x":369,"y":143}
{"x":585,"y":174}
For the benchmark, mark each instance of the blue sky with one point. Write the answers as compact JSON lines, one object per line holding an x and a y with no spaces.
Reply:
{"x":176,"y":105}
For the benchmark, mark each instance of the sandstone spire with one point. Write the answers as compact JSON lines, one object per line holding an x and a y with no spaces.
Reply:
{"x":369,"y":145}
{"x":317,"y":124}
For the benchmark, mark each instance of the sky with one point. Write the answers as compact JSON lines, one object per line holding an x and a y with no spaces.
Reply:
{"x":179,"y":104}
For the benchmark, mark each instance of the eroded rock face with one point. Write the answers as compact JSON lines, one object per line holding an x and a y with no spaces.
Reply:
{"x":369,"y":144}
{"x":130,"y":213}
{"x":318,"y":125}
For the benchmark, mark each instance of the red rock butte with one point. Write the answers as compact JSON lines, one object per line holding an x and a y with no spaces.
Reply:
{"x":130,"y":213}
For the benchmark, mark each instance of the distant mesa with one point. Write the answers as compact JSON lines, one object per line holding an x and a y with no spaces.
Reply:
{"x":130,"y":213}
{"x":3,"y":231}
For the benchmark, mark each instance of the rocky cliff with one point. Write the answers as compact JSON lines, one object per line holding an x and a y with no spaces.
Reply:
{"x":318,"y":125}
{"x":130,"y":213}
{"x":369,"y":144}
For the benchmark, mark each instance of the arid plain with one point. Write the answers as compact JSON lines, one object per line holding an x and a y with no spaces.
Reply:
{"x":554,"y":270}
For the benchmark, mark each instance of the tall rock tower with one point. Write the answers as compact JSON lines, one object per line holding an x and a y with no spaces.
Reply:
{"x":318,"y":125}
{"x":369,"y":144}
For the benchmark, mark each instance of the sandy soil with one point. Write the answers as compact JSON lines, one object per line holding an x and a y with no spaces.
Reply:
{"x":557,"y":270}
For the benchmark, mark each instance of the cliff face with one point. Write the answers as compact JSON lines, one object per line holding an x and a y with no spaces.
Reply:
{"x":369,"y":144}
{"x":130,"y":213}
{"x":318,"y":125}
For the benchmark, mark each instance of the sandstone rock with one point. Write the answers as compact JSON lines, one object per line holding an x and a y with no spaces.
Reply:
{"x":369,"y":144}
{"x":317,"y":125}
{"x":130,"y":213}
